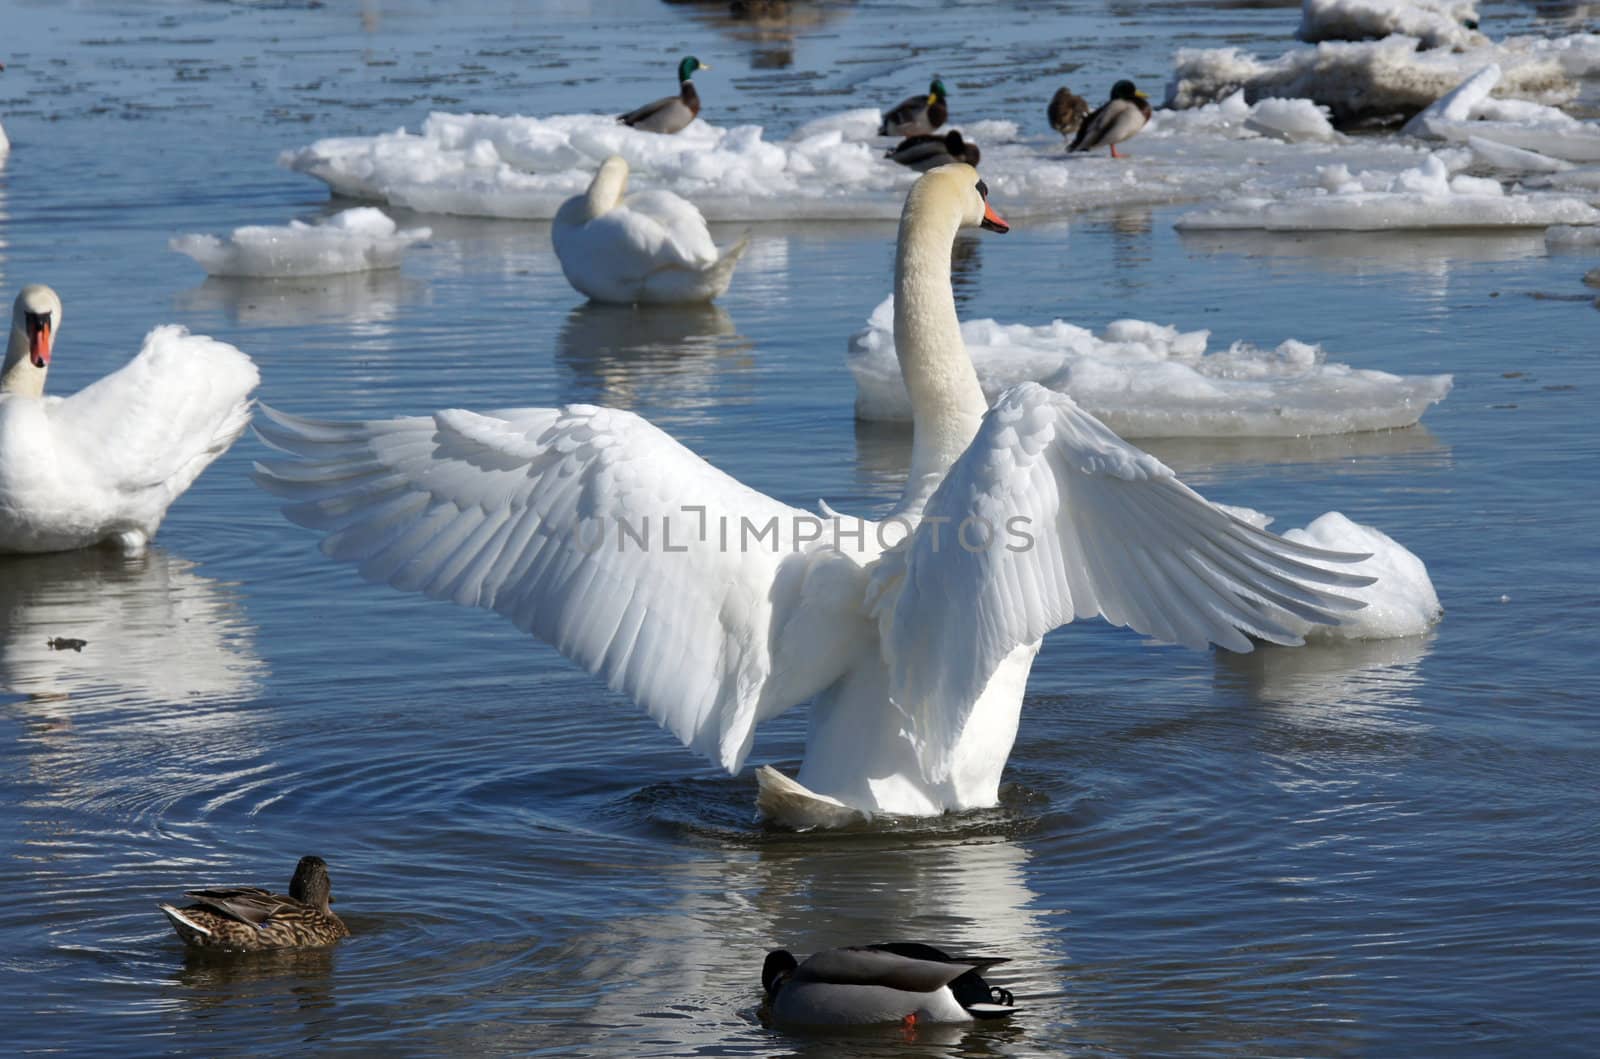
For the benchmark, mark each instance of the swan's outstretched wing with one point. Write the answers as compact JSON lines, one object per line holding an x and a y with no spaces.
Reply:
{"x":694,"y":595}
{"x":1049,"y":516}
{"x":155,"y":423}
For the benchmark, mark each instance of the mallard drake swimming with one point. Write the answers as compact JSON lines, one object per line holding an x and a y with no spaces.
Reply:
{"x":249,"y":919}
{"x":918,"y":115}
{"x":1066,"y":111}
{"x":931,"y":151}
{"x":670,"y":113}
{"x":1119,"y":120}
{"x":902,"y":981}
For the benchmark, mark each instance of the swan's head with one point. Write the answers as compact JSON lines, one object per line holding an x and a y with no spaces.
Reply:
{"x":35,"y":320}
{"x":311,"y":885}
{"x":956,"y":188}
{"x":778,"y":968}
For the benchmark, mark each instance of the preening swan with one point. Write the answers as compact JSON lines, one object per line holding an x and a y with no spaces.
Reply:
{"x":103,"y":465}
{"x":651,"y":247}
{"x":899,"y":981}
{"x":733,"y":606}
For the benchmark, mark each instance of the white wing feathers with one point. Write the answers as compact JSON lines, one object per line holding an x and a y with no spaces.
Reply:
{"x":155,"y":423}
{"x":1077,"y":523}
{"x":585,"y":527}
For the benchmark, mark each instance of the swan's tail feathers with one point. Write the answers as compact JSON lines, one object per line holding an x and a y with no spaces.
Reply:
{"x":789,"y":804}
{"x":187,"y":928}
{"x":720,"y":275}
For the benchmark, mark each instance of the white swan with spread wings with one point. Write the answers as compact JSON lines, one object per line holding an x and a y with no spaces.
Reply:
{"x":915,"y":658}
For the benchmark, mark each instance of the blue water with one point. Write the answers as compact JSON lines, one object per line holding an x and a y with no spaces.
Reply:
{"x":1390,"y":848}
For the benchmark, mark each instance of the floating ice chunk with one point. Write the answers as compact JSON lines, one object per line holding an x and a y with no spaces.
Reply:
{"x":1402,"y":602}
{"x":1508,"y":159}
{"x":354,"y":240}
{"x":1424,"y":197}
{"x":1436,"y":23}
{"x":526,"y":167}
{"x":1565,"y":236}
{"x":1148,"y":380}
{"x":1376,"y":80}
{"x":1289,"y":120}
{"x":484,"y":165}
{"x":1468,"y":113}
{"x":1293,"y":120}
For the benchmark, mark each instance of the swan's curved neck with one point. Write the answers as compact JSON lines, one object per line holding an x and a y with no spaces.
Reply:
{"x":18,"y":375}
{"x":947,"y":403}
{"x":606,"y":190}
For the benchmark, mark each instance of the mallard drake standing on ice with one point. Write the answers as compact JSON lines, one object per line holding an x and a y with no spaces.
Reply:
{"x":1124,"y":114}
{"x":670,"y":113}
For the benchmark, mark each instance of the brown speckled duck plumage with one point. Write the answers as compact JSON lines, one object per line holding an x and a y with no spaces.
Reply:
{"x":250,"y":919}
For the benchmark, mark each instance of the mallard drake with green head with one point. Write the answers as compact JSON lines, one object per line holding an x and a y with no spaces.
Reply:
{"x":918,"y":115}
{"x":1120,"y":119}
{"x":901,"y":981}
{"x":670,"y":113}
{"x":1066,"y":111}
{"x":250,"y":919}
{"x":923,"y":153}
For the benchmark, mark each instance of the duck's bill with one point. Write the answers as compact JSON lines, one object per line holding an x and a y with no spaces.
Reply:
{"x":39,"y":344}
{"x":993,"y":221}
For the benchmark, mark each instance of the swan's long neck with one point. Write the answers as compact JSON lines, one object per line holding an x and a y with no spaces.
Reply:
{"x":18,"y":375}
{"x":946,"y":401}
{"x":606,"y":189}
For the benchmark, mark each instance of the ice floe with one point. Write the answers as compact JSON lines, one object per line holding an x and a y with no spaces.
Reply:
{"x":1383,"y":80}
{"x":830,"y":169}
{"x":1468,"y":114}
{"x":1402,"y":602}
{"x":1436,"y":23}
{"x":1146,"y":380}
{"x":1427,"y":196}
{"x":354,"y":240}
{"x":1565,"y":236}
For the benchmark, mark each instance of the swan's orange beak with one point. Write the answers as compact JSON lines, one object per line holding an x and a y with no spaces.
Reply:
{"x":39,"y":342}
{"x":992,"y":220}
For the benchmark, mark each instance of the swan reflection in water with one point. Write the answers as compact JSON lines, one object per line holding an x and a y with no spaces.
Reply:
{"x":622,"y":356}
{"x":153,"y":629}
{"x":1337,"y":685}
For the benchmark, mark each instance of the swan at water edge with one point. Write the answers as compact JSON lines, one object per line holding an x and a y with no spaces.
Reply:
{"x":103,"y":465}
{"x":651,"y":247}
{"x":734,"y":606}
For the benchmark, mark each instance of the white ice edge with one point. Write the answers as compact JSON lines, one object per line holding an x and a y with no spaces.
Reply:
{"x":1147,"y":380}
{"x":355,"y":240}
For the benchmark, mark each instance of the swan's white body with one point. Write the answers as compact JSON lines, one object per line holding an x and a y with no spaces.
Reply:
{"x":652,"y":247}
{"x":916,"y":657}
{"x":103,"y":465}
